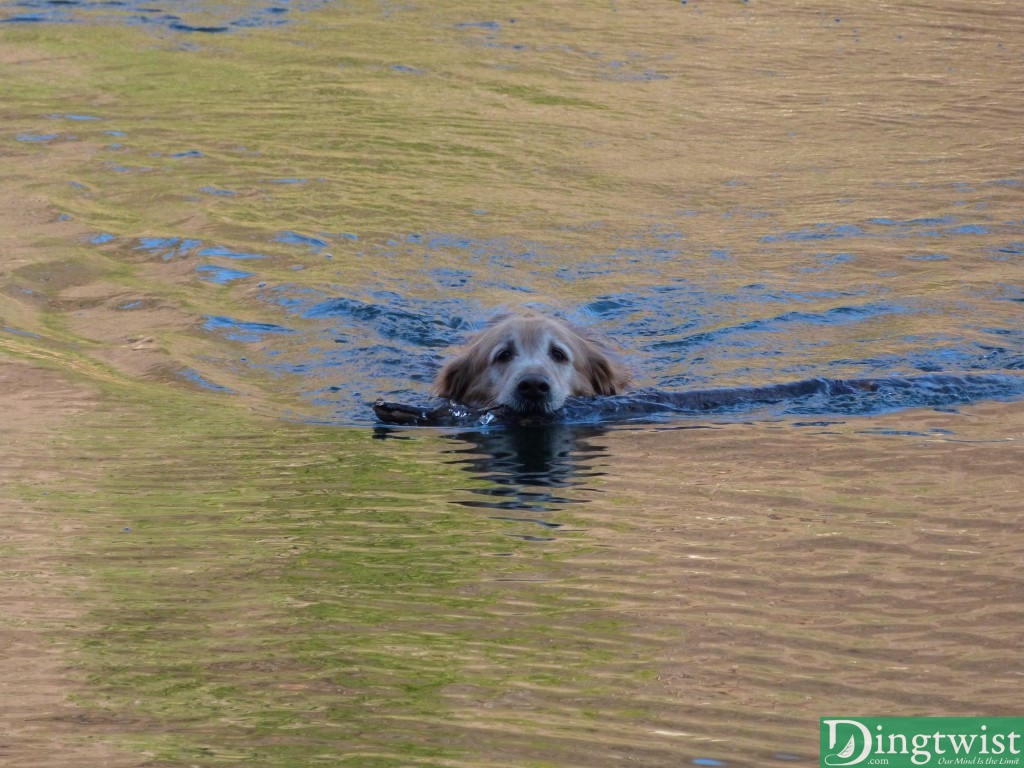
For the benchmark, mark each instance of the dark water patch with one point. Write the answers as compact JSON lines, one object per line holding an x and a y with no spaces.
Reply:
{"x":20,"y":332}
{"x":180,"y":26}
{"x":37,"y":138}
{"x":196,"y":378}
{"x":190,"y":17}
{"x":629,"y":66}
{"x":819,"y":232}
{"x":1009,"y":251}
{"x":227,"y":253}
{"x":221,"y":275}
{"x":391,"y":322}
{"x":294,"y":238}
{"x":532,"y":521}
{"x":453,"y":278}
{"x":500,"y":252}
{"x":119,"y":168}
{"x":936,"y":227}
{"x":167,"y":248}
{"x":827,"y":261}
{"x":614,"y":306}
{"x":631,"y":72}
{"x":242,"y":330}
{"x":407,"y":70}
{"x":76,"y":118}
{"x":492,"y":26}
{"x":170,"y":248}
{"x":906,"y":432}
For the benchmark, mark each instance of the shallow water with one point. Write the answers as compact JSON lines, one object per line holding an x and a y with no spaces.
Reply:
{"x":227,"y":229}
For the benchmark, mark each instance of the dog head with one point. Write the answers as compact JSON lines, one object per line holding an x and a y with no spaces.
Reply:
{"x":530,"y":364}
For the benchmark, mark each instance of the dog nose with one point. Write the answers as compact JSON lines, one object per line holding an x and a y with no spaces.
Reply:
{"x":534,"y":387}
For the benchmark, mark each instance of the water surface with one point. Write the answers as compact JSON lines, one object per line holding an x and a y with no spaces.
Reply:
{"x":229,"y":228}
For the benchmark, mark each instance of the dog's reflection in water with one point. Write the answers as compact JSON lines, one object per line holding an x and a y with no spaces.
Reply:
{"x":530,"y":470}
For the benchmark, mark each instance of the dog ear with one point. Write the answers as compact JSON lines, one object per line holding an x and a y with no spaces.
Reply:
{"x":606,"y":377}
{"x":454,"y":379}
{"x":600,"y":368}
{"x":462,"y":378}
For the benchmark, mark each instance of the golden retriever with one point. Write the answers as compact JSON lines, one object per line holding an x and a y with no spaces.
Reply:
{"x":530,"y":364}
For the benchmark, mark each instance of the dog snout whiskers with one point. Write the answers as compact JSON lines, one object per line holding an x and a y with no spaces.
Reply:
{"x":534,"y":388}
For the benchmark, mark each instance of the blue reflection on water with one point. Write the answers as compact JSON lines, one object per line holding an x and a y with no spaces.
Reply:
{"x":220,"y":275}
{"x":683,"y":324}
{"x":196,"y":378}
{"x":185,"y":16}
{"x":242,"y":330}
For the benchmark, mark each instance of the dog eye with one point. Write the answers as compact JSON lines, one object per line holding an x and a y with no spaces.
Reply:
{"x":559,"y":355}
{"x":503,"y":355}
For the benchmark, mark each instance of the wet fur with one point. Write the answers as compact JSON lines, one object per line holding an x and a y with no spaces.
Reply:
{"x":531,"y":364}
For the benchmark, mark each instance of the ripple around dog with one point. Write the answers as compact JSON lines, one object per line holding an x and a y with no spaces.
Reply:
{"x":823,"y":397}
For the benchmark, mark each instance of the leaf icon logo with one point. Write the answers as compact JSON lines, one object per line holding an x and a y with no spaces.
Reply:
{"x":848,"y":749}
{"x":846,"y":755}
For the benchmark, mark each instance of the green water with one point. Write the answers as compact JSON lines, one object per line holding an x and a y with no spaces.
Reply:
{"x":282,"y":598}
